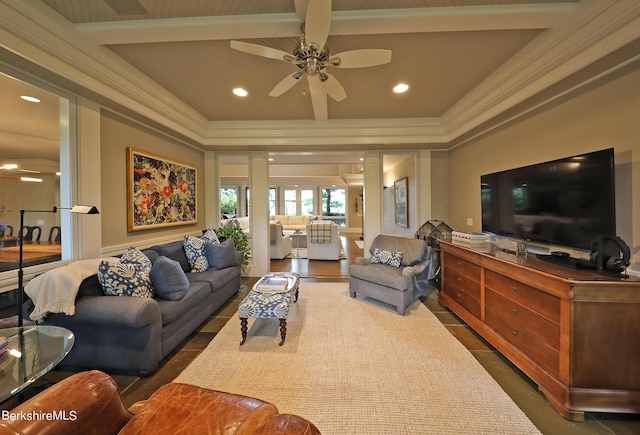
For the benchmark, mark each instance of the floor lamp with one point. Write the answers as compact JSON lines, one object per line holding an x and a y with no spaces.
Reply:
{"x":79,"y":209}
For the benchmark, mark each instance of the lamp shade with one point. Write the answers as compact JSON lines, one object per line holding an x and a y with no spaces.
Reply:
{"x":85,"y":209}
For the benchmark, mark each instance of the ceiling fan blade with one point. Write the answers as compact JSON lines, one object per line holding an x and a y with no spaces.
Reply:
{"x":318,"y":98}
{"x":363,"y":58}
{"x":285,"y":84}
{"x":318,"y":22}
{"x":301,"y":8}
{"x":259,"y":50}
{"x":333,"y":88}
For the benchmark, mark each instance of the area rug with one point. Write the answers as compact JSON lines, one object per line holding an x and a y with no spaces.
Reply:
{"x":355,"y":366}
{"x":302,"y":253}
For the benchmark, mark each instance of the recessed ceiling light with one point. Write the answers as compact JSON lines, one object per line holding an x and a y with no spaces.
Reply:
{"x":240,"y":92}
{"x":9,"y":166}
{"x":30,"y":99}
{"x":400,"y":88}
{"x":271,"y":159}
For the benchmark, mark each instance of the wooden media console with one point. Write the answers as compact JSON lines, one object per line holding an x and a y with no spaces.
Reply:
{"x":574,"y":332}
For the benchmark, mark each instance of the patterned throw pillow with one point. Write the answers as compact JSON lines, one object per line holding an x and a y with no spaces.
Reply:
{"x":128,"y":277}
{"x":210,"y":235}
{"x":196,"y":254}
{"x":390,"y":258}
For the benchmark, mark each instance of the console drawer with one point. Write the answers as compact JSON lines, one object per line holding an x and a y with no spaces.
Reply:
{"x":538,"y":351}
{"x":541,"y":328}
{"x":463,"y":290}
{"x":544,"y":304}
{"x":462,"y":267}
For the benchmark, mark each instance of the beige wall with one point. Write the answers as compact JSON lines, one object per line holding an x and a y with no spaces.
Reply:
{"x":603,"y":116}
{"x":116,"y":134}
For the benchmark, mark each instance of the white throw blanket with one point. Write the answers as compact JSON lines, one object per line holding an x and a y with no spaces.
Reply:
{"x":55,"y":291}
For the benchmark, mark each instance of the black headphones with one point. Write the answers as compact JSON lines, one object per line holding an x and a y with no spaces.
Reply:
{"x":605,"y":253}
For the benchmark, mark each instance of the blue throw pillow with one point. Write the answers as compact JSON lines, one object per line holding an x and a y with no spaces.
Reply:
{"x":221,"y":255}
{"x":128,"y":277}
{"x":194,"y":248}
{"x":134,"y":256}
{"x":210,"y":235}
{"x":169,"y":280}
{"x":124,"y":279}
{"x":390,"y":258}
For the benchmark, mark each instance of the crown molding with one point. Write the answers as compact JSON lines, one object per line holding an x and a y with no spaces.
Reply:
{"x":358,"y":22}
{"x":597,"y":29}
{"x":330,"y":132}
{"x":36,"y":33}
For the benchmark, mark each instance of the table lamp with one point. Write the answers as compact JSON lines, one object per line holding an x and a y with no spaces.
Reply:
{"x":79,"y":209}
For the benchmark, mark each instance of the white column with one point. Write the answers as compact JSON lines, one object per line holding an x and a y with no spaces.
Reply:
{"x":259,"y":191}
{"x":373,"y":205}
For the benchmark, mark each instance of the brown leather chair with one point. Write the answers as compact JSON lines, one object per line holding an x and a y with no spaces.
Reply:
{"x":90,"y":403}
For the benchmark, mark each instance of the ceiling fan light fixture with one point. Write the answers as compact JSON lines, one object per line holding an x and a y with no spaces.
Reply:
{"x":240,"y":92}
{"x":400,"y":88}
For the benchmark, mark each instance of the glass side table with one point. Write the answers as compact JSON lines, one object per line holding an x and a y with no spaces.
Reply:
{"x":32,"y":352}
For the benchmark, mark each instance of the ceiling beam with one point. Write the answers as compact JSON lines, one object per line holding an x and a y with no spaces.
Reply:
{"x":379,"y":21}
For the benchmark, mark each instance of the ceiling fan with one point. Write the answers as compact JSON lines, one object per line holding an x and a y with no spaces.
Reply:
{"x":312,"y":57}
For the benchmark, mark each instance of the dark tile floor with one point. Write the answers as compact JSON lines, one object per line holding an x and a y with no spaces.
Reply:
{"x":517,"y":385}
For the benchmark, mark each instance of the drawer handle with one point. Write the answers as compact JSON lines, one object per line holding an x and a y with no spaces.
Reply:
{"x":459,"y":263}
{"x":514,"y":288}
{"x":459,"y":279}
{"x":514,"y":333}
{"x":458,"y":295}
{"x":514,"y":311}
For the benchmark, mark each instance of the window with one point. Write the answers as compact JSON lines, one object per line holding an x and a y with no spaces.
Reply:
{"x":273,"y":204}
{"x":299,"y":202}
{"x":334,"y":205}
{"x":228,"y":201}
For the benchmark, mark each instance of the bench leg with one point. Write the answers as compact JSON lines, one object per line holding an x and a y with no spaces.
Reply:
{"x":243,"y":329}
{"x":283,"y":330}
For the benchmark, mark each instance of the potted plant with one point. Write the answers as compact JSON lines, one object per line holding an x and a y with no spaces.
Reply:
{"x":239,"y":240}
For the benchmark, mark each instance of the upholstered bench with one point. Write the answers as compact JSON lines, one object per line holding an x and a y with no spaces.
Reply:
{"x":268,"y":304}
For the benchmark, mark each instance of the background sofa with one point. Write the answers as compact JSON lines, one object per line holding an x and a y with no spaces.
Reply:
{"x":126,"y":333}
{"x":292,"y":223}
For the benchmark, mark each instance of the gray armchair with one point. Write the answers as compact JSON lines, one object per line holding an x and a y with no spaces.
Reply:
{"x":399,"y":286}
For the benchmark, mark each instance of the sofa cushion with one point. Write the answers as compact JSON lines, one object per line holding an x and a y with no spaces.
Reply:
{"x":216,"y":279}
{"x":124,"y":279}
{"x":168,"y":279}
{"x":173,"y":310}
{"x":196,"y":254}
{"x":175,"y":251}
{"x":390,"y":258}
{"x":221,"y":255}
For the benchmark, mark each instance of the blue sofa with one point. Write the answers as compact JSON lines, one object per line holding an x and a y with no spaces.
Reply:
{"x":133,"y":334}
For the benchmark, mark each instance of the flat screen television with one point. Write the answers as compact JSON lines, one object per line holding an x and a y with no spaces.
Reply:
{"x":565,"y":202}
